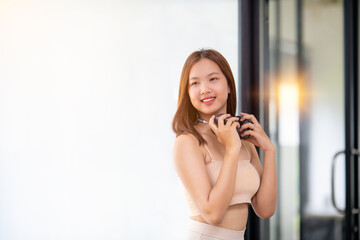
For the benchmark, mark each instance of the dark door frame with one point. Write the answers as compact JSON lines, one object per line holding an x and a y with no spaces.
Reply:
{"x":351,"y":47}
{"x":253,"y":66}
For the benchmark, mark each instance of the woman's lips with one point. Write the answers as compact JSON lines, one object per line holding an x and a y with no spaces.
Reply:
{"x":208,"y":100}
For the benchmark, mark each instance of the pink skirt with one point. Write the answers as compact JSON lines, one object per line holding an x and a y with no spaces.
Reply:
{"x":203,"y":231}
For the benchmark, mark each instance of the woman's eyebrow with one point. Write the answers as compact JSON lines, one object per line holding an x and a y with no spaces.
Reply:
{"x":212,"y":73}
{"x":193,"y":78}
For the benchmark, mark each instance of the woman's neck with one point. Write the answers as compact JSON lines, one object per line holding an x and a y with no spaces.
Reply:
{"x":202,"y":128}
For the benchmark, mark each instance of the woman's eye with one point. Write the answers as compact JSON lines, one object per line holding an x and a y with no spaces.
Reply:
{"x":194,"y":83}
{"x":213,"y":79}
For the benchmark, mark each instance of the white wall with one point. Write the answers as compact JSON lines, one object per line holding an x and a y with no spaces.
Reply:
{"x":87,"y":94}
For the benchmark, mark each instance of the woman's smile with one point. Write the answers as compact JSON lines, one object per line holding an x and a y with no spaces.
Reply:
{"x":208,"y":100}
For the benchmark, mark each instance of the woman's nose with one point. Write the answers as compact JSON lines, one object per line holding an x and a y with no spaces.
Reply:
{"x":204,"y":89}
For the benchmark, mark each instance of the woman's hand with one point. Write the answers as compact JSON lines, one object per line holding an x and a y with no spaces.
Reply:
{"x":257,"y":134}
{"x":227,"y":133}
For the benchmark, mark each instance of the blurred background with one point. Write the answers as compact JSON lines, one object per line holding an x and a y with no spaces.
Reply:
{"x":88,"y":90}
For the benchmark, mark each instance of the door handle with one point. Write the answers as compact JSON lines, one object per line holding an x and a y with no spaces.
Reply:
{"x":341,"y":211}
{"x":355,"y":152}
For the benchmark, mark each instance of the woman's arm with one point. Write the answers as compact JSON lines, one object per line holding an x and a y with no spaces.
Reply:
{"x":264,"y":201}
{"x":212,"y":201}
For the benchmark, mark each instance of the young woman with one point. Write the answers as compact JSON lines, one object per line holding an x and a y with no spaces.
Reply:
{"x":221,"y":173}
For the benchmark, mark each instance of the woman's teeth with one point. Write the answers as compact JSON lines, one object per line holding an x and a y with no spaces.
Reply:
{"x":208,"y":100}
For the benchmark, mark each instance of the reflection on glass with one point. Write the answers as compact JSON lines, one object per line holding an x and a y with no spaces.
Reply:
{"x":289,"y":113}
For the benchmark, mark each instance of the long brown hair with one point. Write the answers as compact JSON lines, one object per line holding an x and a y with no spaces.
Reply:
{"x":186,"y":115}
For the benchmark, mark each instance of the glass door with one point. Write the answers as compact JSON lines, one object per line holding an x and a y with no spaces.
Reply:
{"x":314,"y":118}
{"x":322,"y":125}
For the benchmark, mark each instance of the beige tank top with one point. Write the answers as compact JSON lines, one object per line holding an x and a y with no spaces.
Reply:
{"x":246,"y":185}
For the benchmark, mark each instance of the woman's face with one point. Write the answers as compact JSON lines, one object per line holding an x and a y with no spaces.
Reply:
{"x":208,"y":88}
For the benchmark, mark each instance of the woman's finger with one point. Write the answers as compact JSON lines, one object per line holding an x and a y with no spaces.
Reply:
{"x":221,"y":119}
{"x":246,"y":133}
{"x":231,"y":120}
{"x":211,"y":120}
{"x":249,"y":117}
{"x":247,"y":125}
{"x":235,"y":124}
{"x":253,"y":135}
{"x":212,"y":124}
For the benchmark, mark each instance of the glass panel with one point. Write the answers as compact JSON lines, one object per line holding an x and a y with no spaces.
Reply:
{"x":324,"y":51}
{"x":88,"y":90}
{"x":284,"y":116}
{"x":320,"y":108}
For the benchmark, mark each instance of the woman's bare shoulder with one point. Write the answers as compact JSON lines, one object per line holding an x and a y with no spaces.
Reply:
{"x":186,"y":142}
{"x":186,"y":147}
{"x":186,"y":138}
{"x":249,"y":146}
